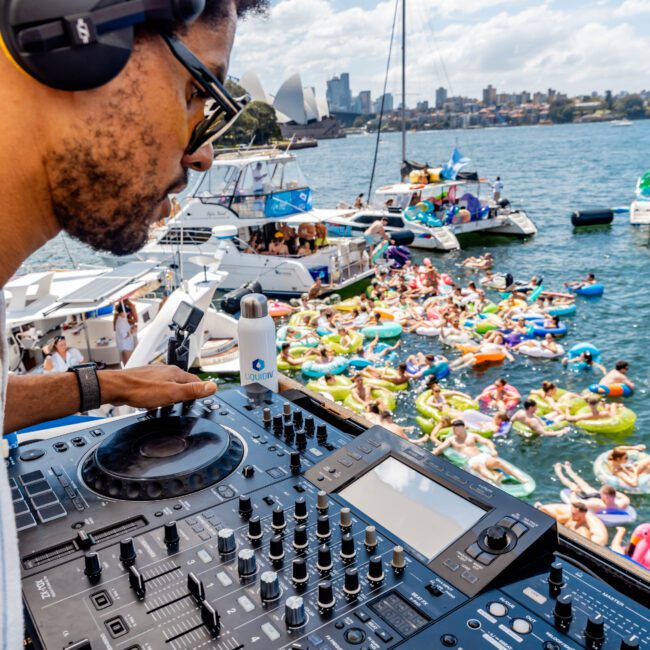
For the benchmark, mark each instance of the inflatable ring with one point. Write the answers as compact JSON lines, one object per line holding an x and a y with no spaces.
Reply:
{"x":490,"y":308}
{"x":516,"y":303}
{"x":564,"y":310}
{"x":537,"y":351}
{"x":543,"y":407}
{"x":604,"y":475}
{"x":590,"y":290}
{"x":511,"y":400}
{"x":384,"y":331}
{"x":576,"y":350}
{"x":459,"y":402}
{"x":297,"y":319}
{"x":339,"y":391}
{"x":537,"y":329}
{"x":379,"y":251}
{"x":310,"y":341}
{"x":299,"y":350}
{"x":278,"y":309}
{"x":316,"y":369}
{"x":482,"y":357}
{"x":374,"y":382}
{"x":427,"y":425}
{"x":428,"y":331}
{"x":386,"y":397}
{"x":611,"y":390}
{"x":348,"y":305}
{"x":332,"y":342}
{"x":623,"y":421}
{"x":609,"y":516}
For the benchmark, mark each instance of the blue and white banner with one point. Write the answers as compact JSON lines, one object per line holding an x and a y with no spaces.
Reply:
{"x":283,"y":204}
{"x":456,"y":162}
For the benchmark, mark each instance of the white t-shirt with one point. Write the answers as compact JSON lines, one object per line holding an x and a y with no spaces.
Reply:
{"x":72,"y":358}
{"x":11,"y":610}
{"x":124,"y":339}
{"x":498,"y":186}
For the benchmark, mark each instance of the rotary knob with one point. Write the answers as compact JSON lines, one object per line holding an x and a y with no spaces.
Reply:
{"x":246,"y":563}
{"x":345,"y":519}
{"x":127,"y":552}
{"x":266,"y":417}
{"x":299,"y":572}
{"x":351,"y":586}
{"x":324,"y":562}
{"x":310,"y":425}
{"x":370,"y":539}
{"x":277,"y":425}
{"x":321,"y":433}
{"x":278,"y":521}
{"x":297,"y":419}
{"x":556,"y":574}
{"x":496,"y":538}
{"x":301,"y":440}
{"x":595,"y":632}
{"x":286,"y":410}
{"x":294,"y":462}
{"x":248,"y":471}
{"x":92,"y":566}
{"x":289,"y":432}
{"x":348,"y":548}
{"x":294,"y":612}
{"x":269,"y":587}
{"x":563,"y":611}
{"x":255,"y":529}
{"x":630,"y":643}
{"x":300,"y":509}
{"x":325,"y":598}
{"x":245,"y":506}
{"x":375,"y":571}
{"x":399,"y":561}
{"x":226,"y":542}
{"x":300,"y":541}
{"x":276,"y":549}
{"x":171,"y":538}
{"x":322,"y":502}
{"x":323,"y":531}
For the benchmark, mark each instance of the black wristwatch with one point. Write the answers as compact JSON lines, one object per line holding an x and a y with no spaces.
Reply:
{"x":89,"y":392}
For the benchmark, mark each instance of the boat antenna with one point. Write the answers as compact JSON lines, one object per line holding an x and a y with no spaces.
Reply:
{"x":67,"y":250}
{"x":403,"y":81}
{"x":383,"y":99}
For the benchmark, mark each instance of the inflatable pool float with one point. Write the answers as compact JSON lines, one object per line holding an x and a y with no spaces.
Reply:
{"x":539,"y":352}
{"x":348,"y":305}
{"x":383,"y":331}
{"x":386,"y":397}
{"x":278,"y":309}
{"x":516,"y":337}
{"x":543,"y":407}
{"x":515,"y":304}
{"x":623,"y":421}
{"x":485,"y":325}
{"x":383,"y":383}
{"x":612,"y":390}
{"x":527,"y":432}
{"x":310,"y":341}
{"x":640,"y":545}
{"x":601,"y":470}
{"x":362,"y":362}
{"x":427,"y":425}
{"x":590,"y":290}
{"x":609,"y":516}
{"x":490,"y":308}
{"x":511,"y":399}
{"x":298,"y":351}
{"x":297,"y":319}
{"x":537,"y":329}
{"x":459,"y":402}
{"x":576,"y":350}
{"x":380,"y":249}
{"x":332,"y":342}
{"x":425,"y":330}
{"x":564,"y":310}
{"x":475,"y":421}
{"x":440,"y":369}
{"x":316,"y":369}
{"x":485,"y":355}
{"x":338,"y":391}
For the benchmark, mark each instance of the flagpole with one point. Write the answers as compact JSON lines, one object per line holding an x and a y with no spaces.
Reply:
{"x":403,"y":80}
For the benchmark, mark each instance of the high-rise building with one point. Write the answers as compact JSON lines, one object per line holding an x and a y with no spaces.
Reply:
{"x":365,"y":102}
{"x":389,"y":103}
{"x":441,"y":97}
{"x":422,"y":106}
{"x":489,"y":96}
{"x":339,"y":95}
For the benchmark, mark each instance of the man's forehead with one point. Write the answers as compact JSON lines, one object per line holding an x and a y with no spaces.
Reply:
{"x":212,"y":44}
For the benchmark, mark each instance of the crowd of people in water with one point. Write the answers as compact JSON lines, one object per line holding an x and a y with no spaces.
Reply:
{"x":350,"y":351}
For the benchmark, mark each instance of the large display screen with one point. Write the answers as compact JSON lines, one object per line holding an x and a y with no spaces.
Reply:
{"x":421,"y":512}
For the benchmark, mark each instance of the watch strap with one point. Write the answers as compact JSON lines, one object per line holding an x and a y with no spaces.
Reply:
{"x":89,"y":390}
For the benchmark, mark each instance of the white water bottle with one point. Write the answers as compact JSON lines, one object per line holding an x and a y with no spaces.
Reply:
{"x":256,"y":334}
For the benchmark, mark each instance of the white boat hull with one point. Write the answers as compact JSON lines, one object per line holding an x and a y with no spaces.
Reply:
{"x":640,"y":213}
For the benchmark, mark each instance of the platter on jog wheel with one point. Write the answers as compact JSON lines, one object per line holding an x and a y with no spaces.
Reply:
{"x":162,"y":458}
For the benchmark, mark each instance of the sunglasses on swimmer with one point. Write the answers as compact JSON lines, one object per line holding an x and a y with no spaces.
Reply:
{"x":221,"y":109}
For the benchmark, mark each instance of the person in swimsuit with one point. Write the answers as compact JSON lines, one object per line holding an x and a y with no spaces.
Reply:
{"x":577,"y":517}
{"x":619,"y":465}
{"x":533,"y":422}
{"x":618,"y":375}
{"x":599,"y":410}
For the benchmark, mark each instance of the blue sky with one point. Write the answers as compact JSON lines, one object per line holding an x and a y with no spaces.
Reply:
{"x":572,"y":45}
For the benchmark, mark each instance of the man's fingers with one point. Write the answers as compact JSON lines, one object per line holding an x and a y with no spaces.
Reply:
{"x":194,"y":390}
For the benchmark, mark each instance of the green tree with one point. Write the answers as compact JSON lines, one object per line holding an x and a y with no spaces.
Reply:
{"x":359,"y":121}
{"x":609,"y":101}
{"x":561,"y":111}
{"x":631,"y":106}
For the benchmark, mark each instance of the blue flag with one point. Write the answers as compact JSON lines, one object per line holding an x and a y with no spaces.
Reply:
{"x":456,"y":162}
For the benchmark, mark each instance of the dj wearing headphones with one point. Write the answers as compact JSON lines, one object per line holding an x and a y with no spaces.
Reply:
{"x":106,"y":105}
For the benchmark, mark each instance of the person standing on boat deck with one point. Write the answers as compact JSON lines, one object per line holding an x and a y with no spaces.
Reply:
{"x":125,"y":326}
{"x":376,"y":231}
{"x":147,"y":86}
{"x":358,"y":202}
{"x":497,"y":189}
{"x":258,"y":179}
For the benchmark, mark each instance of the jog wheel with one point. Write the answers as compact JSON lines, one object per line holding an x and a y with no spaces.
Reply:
{"x":162,"y":459}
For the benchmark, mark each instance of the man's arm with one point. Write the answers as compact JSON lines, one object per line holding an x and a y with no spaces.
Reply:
{"x":32,"y":399}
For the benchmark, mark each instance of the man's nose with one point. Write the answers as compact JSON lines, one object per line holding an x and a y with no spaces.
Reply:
{"x":200,"y":160}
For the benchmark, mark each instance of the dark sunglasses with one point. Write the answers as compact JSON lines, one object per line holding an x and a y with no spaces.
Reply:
{"x":221,"y":109}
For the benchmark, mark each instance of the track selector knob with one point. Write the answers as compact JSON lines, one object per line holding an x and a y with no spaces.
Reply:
{"x":276,"y":549}
{"x":321,"y":433}
{"x":127,"y":552}
{"x":136,"y":581}
{"x":309,"y":425}
{"x":299,"y":571}
{"x":325,"y":598}
{"x":351,"y":585}
{"x":300,"y":541}
{"x":226,"y":542}
{"x":345,"y":518}
{"x":301,"y":440}
{"x":246,"y":563}
{"x":269,"y":586}
{"x":245,"y":506}
{"x":294,"y":612}
{"x":294,"y":462}
{"x":323,"y":531}
{"x":563,"y":611}
{"x":210,"y":618}
{"x":170,"y":536}
{"x":630,"y":643}
{"x":398,"y":562}
{"x":496,"y":538}
{"x":375,"y":571}
{"x":300,"y":509}
{"x":255,"y":529}
{"x":595,"y":631}
{"x":370,"y":539}
{"x":348,"y":548}
{"x":92,"y":566}
{"x":278,"y":521}
{"x":248,"y":471}
{"x":322,"y":502}
{"x":324,"y":562}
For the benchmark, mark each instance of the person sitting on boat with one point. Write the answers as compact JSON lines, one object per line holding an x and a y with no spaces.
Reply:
{"x":59,"y":357}
{"x":604,"y":498}
{"x":577,"y":517}
{"x":527,"y":417}
{"x":598,"y":410}
{"x":389,"y":203}
{"x":358,"y":202}
{"x":255,"y":244}
{"x":307,"y":233}
{"x":376,"y":231}
{"x":618,"y":375}
{"x":321,"y":236}
{"x":480,"y":452}
{"x":620,"y":466}
{"x":587,"y":358}
{"x":579,"y":284}
{"x":278,"y":245}
{"x":303,"y":250}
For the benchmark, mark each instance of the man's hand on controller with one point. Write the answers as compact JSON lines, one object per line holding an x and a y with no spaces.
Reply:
{"x":152,"y":386}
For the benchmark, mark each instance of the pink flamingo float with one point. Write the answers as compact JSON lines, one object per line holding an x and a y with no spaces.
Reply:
{"x":639,"y":549}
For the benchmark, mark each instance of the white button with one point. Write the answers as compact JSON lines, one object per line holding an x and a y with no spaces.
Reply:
{"x":521,"y":626}
{"x":224,"y":579}
{"x":535,"y":595}
{"x":497,"y":609}
{"x":204,"y":556}
{"x":270,"y":631}
{"x":246,"y":604}
{"x":315,"y":452}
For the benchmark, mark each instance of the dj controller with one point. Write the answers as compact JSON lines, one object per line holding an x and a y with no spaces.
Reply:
{"x":250,"y":521}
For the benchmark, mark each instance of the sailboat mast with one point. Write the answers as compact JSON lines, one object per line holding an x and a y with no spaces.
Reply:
{"x":403,"y":80}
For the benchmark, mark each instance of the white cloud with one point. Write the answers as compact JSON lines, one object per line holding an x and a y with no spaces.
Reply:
{"x":633,"y":7}
{"x":512,"y":44}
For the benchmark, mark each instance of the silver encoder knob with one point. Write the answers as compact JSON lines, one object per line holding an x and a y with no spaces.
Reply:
{"x":269,"y":586}
{"x":294,"y":612}
{"x":246,"y":563}
{"x":226,"y":542}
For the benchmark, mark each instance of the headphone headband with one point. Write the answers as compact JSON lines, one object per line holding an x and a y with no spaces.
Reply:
{"x":82,"y":44}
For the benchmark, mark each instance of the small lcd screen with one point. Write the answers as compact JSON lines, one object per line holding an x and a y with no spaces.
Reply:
{"x":427,"y":516}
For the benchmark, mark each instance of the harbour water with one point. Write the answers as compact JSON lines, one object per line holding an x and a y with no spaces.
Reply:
{"x":549,"y":171}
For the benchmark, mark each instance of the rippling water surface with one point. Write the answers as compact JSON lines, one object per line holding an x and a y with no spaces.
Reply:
{"x":549,"y":171}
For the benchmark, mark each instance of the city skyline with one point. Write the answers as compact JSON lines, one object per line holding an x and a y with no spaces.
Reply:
{"x":518,"y":45}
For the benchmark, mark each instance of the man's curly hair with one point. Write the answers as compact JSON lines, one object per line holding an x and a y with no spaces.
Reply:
{"x":215,"y":9}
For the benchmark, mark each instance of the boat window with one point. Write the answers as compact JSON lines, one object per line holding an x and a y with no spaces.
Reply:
{"x":186,"y":236}
{"x":395,"y":222}
{"x":383,"y":200}
{"x":367,"y":218}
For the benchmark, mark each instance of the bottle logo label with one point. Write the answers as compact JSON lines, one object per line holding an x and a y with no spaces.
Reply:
{"x":259,"y":375}
{"x":258,"y":365}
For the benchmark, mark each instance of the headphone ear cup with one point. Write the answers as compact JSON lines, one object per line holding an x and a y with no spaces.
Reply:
{"x":187,"y":11}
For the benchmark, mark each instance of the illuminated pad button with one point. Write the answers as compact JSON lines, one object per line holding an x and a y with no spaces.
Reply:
{"x":521,"y":626}
{"x":497,"y":609}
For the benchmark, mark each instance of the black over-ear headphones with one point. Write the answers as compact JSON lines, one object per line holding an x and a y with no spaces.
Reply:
{"x":81,"y":44}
